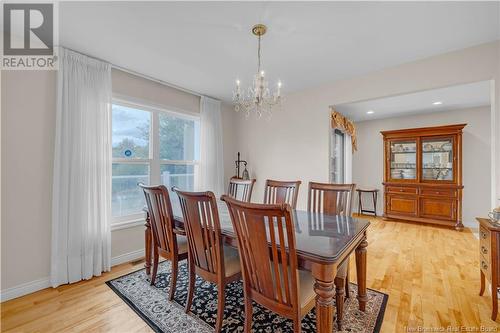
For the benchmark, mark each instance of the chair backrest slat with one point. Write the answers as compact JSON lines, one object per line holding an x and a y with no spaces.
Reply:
{"x":332,"y":199}
{"x":266,"y":243}
{"x":201,"y":220}
{"x":277,"y":192}
{"x":161,"y":216}
{"x":240,"y":189}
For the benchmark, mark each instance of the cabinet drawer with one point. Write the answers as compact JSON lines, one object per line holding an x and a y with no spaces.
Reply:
{"x":485,"y":242}
{"x":438,"y":208}
{"x":401,"y":189}
{"x":438,"y":192}
{"x":401,"y":204}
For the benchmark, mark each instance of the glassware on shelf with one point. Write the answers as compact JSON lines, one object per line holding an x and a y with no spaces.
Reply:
{"x":403,"y":159}
{"x":437,"y":159}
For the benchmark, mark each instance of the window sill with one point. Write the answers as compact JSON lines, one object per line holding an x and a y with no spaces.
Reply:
{"x":128,"y":224}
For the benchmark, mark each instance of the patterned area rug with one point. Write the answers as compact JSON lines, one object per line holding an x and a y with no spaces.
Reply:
{"x":152,"y":305}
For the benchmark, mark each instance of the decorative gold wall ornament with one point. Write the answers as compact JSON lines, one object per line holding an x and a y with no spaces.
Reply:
{"x":345,"y":125}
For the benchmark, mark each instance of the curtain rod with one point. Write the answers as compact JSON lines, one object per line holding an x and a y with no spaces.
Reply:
{"x":144,"y":76}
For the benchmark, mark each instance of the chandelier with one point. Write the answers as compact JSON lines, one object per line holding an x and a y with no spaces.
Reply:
{"x":257,"y":99}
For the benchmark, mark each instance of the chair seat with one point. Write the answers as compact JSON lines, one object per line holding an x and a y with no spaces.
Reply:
{"x":182,"y":244}
{"x":306,"y":288}
{"x":231,"y":261}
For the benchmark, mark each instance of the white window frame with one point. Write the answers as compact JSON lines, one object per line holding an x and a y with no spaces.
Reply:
{"x":154,"y":162}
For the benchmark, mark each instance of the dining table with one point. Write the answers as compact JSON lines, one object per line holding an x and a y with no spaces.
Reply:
{"x":323,"y":242}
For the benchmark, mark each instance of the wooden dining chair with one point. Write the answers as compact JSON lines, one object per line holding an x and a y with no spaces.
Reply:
{"x":334,"y":199}
{"x":208,"y":258}
{"x":168,"y":242}
{"x":270,"y":274}
{"x":282,"y":192}
{"x":240,"y":189}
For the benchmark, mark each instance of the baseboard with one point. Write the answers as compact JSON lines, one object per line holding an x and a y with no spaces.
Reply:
{"x":24,"y":289}
{"x":127,"y":257}
{"x":34,"y":286}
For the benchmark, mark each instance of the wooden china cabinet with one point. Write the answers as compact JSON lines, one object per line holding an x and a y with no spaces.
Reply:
{"x":423,"y":175}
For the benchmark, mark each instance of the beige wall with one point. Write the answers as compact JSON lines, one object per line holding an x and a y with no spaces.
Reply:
{"x":28,"y":120}
{"x":28,"y":129}
{"x":294,"y":143}
{"x":368,"y":160}
{"x":128,"y":85}
{"x":230,"y":143}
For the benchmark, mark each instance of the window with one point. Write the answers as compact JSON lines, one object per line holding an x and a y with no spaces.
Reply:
{"x":151,"y":146}
{"x":337,"y":157}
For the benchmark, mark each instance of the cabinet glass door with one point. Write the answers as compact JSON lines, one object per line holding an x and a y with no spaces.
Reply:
{"x":437,"y":159}
{"x":403,"y":159}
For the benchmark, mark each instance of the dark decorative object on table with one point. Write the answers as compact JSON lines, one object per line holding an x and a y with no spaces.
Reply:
{"x":245,"y":175}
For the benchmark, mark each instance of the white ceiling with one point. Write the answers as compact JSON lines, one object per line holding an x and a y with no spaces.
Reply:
{"x":452,"y":98}
{"x":205,"y":46}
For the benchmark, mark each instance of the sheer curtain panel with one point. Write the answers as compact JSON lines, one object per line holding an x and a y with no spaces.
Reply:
{"x":211,"y":161}
{"x":81,"y":206}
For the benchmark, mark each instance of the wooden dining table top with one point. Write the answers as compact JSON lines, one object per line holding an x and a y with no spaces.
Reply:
{"x":318,"y":237}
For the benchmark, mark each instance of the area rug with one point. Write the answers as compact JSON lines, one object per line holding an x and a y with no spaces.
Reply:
{"x":152,"y":305}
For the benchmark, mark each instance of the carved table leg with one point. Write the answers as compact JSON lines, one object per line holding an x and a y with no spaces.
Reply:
{"x":325,"y":294}
{"x":147,"y":244}
{"x":361,"y":273}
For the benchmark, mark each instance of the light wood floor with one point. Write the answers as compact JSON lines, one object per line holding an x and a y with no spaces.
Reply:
{"x":431,"y":275}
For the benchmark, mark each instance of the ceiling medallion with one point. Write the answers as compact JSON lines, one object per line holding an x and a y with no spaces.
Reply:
{"x":257,"y":98}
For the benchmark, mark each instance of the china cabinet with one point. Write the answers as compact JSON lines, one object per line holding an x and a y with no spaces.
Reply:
{"x":423,"y":175}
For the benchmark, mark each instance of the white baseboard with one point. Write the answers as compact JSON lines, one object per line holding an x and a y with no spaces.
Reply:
{"x":127,"y":257}
{"x":33,"y":286}
{"x":24,"y":289}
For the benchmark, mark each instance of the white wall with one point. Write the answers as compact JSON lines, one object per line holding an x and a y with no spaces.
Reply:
{"x":294,"y":143}
{"x":368,"y":160}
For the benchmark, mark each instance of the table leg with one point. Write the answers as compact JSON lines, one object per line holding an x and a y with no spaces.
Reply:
{"x":325,"y":294}
{"x":375,"y":203}
{"x":147,"y":245}
{"x":361,"y":273}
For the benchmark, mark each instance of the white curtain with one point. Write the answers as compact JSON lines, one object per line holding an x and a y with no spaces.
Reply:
{"x":81,"y":192}
{"x":211,"y":164}
{"x":347,"y":159}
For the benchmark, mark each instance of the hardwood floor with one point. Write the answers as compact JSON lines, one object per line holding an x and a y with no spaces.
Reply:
{"x":430,"y":273}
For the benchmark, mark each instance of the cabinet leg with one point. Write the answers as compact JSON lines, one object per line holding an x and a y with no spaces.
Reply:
{"x":494,"y":298}
{"x":459,"y":226}
{"x":481,"y":291}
